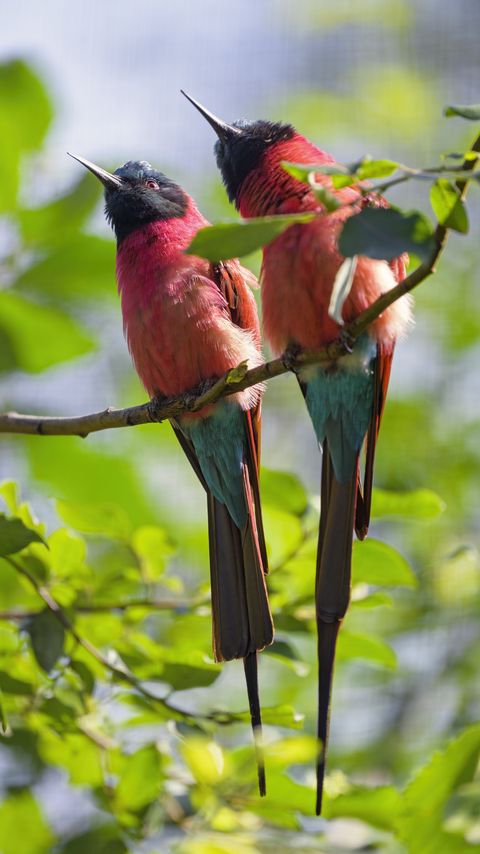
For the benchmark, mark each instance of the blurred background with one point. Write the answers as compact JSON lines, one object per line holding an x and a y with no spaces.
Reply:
{"x":102,"y":80}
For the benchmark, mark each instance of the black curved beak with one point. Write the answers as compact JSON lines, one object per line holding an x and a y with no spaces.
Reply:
{"x":223,"y":131}
{"x":109,"y":181}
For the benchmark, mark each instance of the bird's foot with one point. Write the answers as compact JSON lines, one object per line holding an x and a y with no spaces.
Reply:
{"x":290,"y":357}
{"x":157,"y":405}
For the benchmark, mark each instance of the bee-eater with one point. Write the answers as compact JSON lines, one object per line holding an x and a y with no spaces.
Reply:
{"x":187,"y":321}
{"x":345,"y":399}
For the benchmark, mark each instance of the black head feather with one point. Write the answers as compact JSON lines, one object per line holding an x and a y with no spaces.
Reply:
{"x":238,"y":154}
{"x":144,"y":195}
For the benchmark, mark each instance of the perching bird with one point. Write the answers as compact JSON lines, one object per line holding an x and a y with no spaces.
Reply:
{"x":187,"y":321}
{"x":346,"y":399}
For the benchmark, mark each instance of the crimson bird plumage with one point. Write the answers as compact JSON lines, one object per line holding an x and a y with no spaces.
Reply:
{"x":345,"y":400}
{"x":187,"y":321}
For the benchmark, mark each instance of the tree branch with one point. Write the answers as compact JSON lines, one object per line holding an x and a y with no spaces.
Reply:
{"x":159,"y":409}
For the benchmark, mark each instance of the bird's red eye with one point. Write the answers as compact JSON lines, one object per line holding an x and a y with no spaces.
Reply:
{"x":152,"y":184}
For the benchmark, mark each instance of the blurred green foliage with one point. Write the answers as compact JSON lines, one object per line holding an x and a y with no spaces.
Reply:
{"x":107,"y":681}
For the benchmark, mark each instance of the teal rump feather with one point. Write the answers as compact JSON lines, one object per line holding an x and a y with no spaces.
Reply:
{"x":340,"y":401}
{"x":219,"y":441}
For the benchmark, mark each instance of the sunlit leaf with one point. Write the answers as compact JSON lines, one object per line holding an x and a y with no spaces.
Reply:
{"x":235,"y":239}
{"x":9,"y":493}
{"x":205,"y":759}
{"x":447,"y":205}
{"x":425,"y":797}
{"x":283,"y":490}
{"x":23,"y":829}
{"x":418,"y":504}
{"x":153,"y":547}
{"x":379,"y":806}
{"x":140,"y":780}
{"x":217,"y":843}
{"x":375,"y":562}
{"x":365,"y":647}
{"x":92,"y":518}
{"x":368,"y":168}
{"x":74,"y":752}
{"x":283,"y":533}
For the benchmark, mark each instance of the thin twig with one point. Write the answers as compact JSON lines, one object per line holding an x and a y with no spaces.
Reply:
{"x":120,"y":673}
{"x":108,"y":607}
{"x":157,"y":410}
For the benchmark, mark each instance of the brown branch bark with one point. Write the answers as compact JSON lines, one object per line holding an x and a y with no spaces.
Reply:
{"x":157,"y":410}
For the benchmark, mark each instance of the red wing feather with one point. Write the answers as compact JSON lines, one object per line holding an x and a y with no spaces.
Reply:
{"x":231,"y":279}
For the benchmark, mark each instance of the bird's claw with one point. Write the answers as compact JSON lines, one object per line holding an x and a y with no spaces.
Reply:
{"x":346,"y":340}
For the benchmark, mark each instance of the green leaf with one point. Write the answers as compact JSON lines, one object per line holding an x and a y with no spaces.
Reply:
{"x":24,"y":103}
{"x":67,"y":553}
{"x":448,"y":207}
{"x":283,"y":490}
{"x":235,"y":375}
{"x":378,"y":599}
{"x":74,"y":752}
{"x":38,"y":337}
{"x":385,"y":233}
{"x":368,"y":168}
{"x":23,"y":830}
{"x":205,"y":760}
{"x":365,"y":647}
{"x":3,"y":715}
{"x":106,"y":519}
{"x":375,"y":562}
{"x":14,"y":536}
{"x":283,"y":533}
{"x":325,"y":197}
{"x":418,"y":504}
{"x":302,"y":171}
{"x":153,"y":547}
{"x":233,"y":239}
{"x":61,"y":219}
{"x":8,"y":491}
{"x":378,"y":807}
{"x":217,"y":843}
{"x":11,"y":685}
{"x":360,"y":170}
{"x":425,"y":798}
{"x":140,"y":780}
{"x":465,"y":111}
{"x":25,"y":114}
{"x":103,"y":839}
{"x":81,"y":267}
{"x":281,"y":716}
{"x":47,"y":636}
